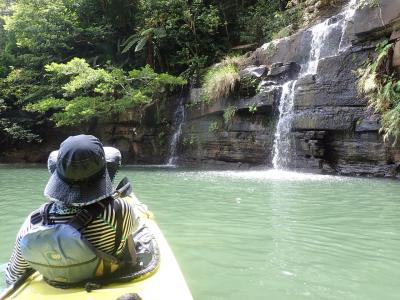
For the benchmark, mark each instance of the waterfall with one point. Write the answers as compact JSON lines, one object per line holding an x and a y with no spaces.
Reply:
{"x":282,"y":143}
{"x":348,"y":13}
{"x":319,"y":34}
{"x":179,"y":118}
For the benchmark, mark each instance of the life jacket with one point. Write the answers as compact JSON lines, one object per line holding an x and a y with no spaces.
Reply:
{"x":61,"y":253}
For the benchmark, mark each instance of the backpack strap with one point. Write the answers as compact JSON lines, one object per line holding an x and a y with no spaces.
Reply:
{"x":88,"y":213}
{"x":119,"y":227}
{"x":124,"y":188}
{"x":41,"y":214}
{"x":36,"y":217}
{"x":84,"y":217}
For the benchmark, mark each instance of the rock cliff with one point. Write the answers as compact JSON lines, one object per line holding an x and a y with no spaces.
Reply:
{"x":329,"y":128}
{"x":332,"y":128}
{"x":141,"y":136}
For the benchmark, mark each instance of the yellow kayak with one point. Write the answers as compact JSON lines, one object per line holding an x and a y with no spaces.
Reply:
{"x":165,"y":283}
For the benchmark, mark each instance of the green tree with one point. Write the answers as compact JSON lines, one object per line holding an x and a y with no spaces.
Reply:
{"x":265,"y":20}
{"x":39,"y":32}
{"x":112,"y":37}
{"x":147,"y":38}
{"x":88,"y":92}
{"x":180,"y":36}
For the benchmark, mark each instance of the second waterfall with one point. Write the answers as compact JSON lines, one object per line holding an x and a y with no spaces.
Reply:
{"x":282,"y":141}
{"x":179,"y":118}
{"x":283,"y":148}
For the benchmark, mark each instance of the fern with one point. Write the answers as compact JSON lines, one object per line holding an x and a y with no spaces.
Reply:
{"x":382,"y":89}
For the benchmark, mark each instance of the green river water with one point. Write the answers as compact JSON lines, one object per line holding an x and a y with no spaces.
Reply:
{"x":255,"y":235}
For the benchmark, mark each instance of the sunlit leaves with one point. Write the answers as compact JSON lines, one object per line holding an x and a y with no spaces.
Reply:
{"x":100,"y":92}
{"x":51,"y":24}
{"x":82,"y":76}
{"x":14,"y":131}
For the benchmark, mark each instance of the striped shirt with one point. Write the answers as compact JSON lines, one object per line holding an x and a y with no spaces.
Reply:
{"x":101,"y":232}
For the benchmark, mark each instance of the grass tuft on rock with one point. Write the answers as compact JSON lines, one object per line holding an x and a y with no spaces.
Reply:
{"x":221,"y":81}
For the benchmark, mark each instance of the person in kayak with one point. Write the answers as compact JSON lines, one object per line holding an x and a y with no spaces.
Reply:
{"x":84,"y":231}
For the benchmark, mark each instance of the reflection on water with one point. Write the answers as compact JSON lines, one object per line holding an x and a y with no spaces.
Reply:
{"x":258,"y":234}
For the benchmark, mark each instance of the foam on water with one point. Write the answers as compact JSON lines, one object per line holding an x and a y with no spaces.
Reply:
{"x":150,"y":166}
{"x":266,"y":175}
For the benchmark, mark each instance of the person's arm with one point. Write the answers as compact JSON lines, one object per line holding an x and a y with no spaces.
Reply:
{"x":17,"y":264}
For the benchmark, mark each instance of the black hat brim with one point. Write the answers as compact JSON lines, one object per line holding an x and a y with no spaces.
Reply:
{"x":78,"y":195}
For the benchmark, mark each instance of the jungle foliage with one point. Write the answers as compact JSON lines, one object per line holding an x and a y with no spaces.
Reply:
{"x":64,"y":62}
{"x":381,"y":85}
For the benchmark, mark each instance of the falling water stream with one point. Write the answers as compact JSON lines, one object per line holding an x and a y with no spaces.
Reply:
{"x":348,"y":17}
{"x":320,"y":33}
{"x":179,"y":118}
{"x":282,"y":147}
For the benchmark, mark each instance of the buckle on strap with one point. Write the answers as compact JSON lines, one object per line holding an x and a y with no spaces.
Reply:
{"x":36,"y":218}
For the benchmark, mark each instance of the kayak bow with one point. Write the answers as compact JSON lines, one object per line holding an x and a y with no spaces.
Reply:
{"x":164,"y":283}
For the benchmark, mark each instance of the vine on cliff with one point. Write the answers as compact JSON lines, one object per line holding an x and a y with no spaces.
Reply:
{"x":229,"y":113}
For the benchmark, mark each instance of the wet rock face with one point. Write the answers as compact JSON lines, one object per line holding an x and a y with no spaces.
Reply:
{"x":36,"y":152}
{"x":250,"y":78}
{"x":377,"y":20}
{"x":396,"y":51}
{"x":142,"y":139}
{"x":240,"y":143}
{"x":209,"y":139}
{"x":333,"y":129}
{"x":280,"y":72}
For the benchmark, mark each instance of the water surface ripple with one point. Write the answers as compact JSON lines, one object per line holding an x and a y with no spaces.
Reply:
{"x":258,"y":234}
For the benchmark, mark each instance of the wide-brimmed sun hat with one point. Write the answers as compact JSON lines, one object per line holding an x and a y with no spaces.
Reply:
{"x":113,"y":161}
{"x":81,"y":177}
